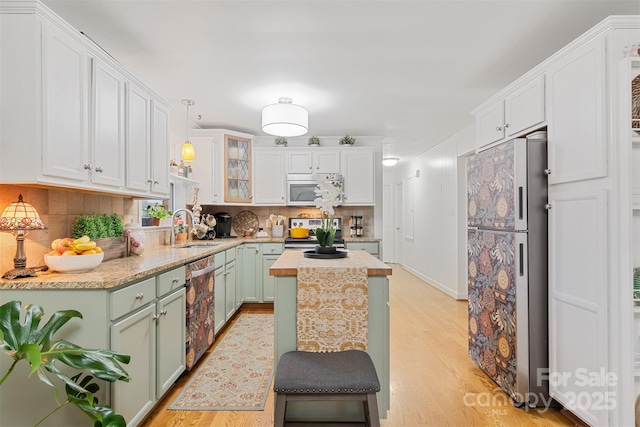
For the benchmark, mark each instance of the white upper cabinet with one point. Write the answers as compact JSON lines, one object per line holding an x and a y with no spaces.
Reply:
{"x":159,"y":149}
{"x":313,"y":160}
{"x":138,"y":138}
{"x":358,"y":170}
{"x":65,"y":100}
{"x":65,"y":142}
{"x":210,"y":163}
{"x":521,"y":109}
{"x":108,"y":118}
{"x":269,"y":177}
{"x":577,"y":132}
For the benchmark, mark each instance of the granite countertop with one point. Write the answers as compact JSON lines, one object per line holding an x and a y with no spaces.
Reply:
{"x":117,"y":272}
{"x":360,"y":239}
{"x":287,"y":264}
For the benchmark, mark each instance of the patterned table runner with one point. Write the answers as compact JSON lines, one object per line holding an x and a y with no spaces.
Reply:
{"x":332,"y":305}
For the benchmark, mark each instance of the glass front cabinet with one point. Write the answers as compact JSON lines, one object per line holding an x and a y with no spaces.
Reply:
{"x":237,"y":156}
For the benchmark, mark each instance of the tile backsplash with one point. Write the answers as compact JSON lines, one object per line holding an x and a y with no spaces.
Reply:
{"x":58,"y":209}
{"x":263,"y":212}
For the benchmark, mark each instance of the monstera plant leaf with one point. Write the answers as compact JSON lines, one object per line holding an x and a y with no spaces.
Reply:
{"x":38,"y":347}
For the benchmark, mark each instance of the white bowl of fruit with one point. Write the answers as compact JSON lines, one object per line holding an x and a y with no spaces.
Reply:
{"x":73,"y":255}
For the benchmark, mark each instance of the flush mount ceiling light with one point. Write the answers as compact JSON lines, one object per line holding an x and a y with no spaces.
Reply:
{"x":188,"y":152}
{"x":285,"y":119}
{"x":390,"y":161}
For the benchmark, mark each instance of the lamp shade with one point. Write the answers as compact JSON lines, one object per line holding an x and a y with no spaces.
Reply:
{"x":390,"y":161}
{"x":20,"y":216}
{"x":285,"y":119}
{"x":188,"y":152}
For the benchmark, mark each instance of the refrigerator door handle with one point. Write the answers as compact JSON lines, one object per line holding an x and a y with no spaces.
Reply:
{"x":521,"y":202}
{"x":521,"y":266}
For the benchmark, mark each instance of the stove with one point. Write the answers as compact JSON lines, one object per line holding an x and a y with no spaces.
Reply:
{"x":311,"y":241}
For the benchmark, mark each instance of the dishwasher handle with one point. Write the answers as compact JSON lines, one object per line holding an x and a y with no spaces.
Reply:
{"x":206,"y":270}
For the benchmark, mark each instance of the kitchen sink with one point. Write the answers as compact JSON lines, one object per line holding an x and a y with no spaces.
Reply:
{"x":201,"y":245}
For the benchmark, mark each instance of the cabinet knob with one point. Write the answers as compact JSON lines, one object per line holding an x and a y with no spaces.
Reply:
{"x":163,"y":312}
{"x":99,"y":169}
{"x":310,"y":167}
{"x":156,"y":182}
{"x":149,"y":181}
{"x":88,"y":167}
{"x":139,"y":295}
{"x":175,"y":280}
{"x":548,"y":206}
{"x":156,"y":317}
{"x":498,"y":128}
{"x":547,"y":171}
{"x":506,"y":125}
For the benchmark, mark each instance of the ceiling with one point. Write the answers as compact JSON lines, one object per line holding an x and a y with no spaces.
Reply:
{"x":406,"y":71}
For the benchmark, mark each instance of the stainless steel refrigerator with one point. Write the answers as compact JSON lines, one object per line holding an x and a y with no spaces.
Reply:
{"x":507,"y":266}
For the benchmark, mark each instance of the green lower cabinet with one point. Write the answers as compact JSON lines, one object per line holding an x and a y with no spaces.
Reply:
{"x":252,"y":272}
{"x":372,"y":247}
{"x":144,"y":319}
{"x":230,"y":289}
{"x":219,"y":299}
{"x":268,"y":282}
{"x":256,"y":259}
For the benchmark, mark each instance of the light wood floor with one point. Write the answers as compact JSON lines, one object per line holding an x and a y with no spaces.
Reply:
{"x":433,"y":381}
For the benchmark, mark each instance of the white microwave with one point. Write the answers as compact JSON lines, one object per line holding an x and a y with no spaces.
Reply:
{"x":301,"y":188}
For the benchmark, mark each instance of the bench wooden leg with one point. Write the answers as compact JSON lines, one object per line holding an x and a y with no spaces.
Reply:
{"x":372,"y":418}
{"x":280,"y":410}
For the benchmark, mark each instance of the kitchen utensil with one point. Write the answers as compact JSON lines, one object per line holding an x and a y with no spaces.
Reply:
{"x":299,"y":232}
{"x":277,"y":230}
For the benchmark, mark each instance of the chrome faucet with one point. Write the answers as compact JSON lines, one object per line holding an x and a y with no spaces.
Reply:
{"x":173,"y":223}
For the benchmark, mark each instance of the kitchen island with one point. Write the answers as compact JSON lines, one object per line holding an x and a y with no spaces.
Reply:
{"x":288,"y":271}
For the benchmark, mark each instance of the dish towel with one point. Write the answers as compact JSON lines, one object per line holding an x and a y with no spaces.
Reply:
{"x":332,"y":311}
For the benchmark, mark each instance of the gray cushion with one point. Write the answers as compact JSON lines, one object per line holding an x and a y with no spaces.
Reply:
{"x":350,"y":371}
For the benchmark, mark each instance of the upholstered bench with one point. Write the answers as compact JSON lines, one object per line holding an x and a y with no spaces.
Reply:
{"x":341,"y":375}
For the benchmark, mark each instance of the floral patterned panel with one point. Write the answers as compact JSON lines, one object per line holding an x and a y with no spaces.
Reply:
{"x":492,"y":308}
{"x":490,"y":188}
{"x":332,"y":310}
{"x":200,"y":311}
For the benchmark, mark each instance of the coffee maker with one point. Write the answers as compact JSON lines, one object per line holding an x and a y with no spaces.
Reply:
{"x":223,"y":225}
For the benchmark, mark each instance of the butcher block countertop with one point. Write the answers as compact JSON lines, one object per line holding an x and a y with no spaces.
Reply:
{"x":287,"y":264}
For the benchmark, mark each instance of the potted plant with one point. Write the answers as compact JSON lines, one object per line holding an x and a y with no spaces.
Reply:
{"x":314,"y":140}
{"x":45,"y":354}
{"x":347,"y":140}
{"x":328,"y":192}
{"x":281,"y":141}
{"x":181,"y":234}
{"x":156,"y":212}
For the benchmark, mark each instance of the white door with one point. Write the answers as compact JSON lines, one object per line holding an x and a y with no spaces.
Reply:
{"x":65,"y":132}
{"x":578,"y":337}
{"x":138,"y":139}
{"x":160,"y":149}
{"x":388,"y":224}
{"x":269,"y":181}
{"x":108,"y":144}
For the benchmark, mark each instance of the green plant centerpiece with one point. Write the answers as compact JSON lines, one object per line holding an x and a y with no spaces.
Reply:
{"x":314,"y":141}
{"x":347,"y":140}
{"x":328,"y":192}
{"x":24,"y":341}
{"x":157,"y":211}
{"x":281,"y":141}
{"x":98,"y":226}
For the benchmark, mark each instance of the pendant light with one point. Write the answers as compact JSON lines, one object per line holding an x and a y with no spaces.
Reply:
{"x":188,"y":152}
{"x":285,"y":119}
{"x":390,"y":161}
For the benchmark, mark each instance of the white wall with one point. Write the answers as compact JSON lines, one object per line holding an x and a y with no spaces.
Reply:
{"x":431,"y":245}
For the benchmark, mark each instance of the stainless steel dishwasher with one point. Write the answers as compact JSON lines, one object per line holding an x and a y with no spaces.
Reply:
{"x":200,"y":276}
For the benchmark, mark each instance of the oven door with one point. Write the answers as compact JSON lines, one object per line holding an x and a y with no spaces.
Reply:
{"x":301,"y":193}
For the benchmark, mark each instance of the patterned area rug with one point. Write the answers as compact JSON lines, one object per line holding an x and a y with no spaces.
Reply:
{"x":238,"y":372}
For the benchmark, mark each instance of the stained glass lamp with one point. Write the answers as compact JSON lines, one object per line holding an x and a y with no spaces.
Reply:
{"x":19,"y":218}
